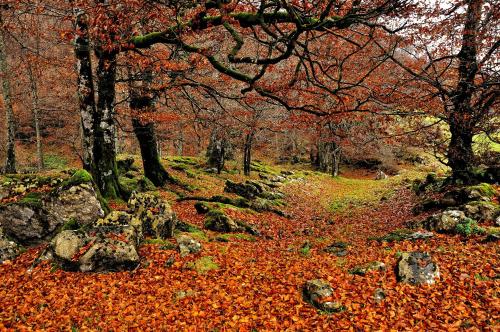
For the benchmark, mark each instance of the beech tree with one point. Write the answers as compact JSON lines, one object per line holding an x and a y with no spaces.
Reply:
{"x":456,"y":77}
{"x":10,"y":161}
{"x":282,"y":24}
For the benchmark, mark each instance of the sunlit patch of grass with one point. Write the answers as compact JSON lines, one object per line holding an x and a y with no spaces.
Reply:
{"x":347,"y":193}
{"x":202,"y":265}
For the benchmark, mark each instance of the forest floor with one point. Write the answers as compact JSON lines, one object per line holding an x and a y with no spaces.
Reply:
{"x":250,"y":283}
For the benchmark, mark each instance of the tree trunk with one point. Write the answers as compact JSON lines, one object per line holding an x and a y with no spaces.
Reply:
{"x":104,"y":170}
{"x":36,"y":117}
{"x":247,"y":153}
{"x":179,"y":142}
{"x":10,"y":161}
{"x":335,"y":160}
{"x":141,"y":101}
{"x":219,"y":149}
{"x":461,"y":120}
{"x":86,"y":99}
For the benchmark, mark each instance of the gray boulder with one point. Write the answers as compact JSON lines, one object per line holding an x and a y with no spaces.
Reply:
{"x":444,"y":222}
{"x":109,"y":255}
{"x":27,"y":223}
{"x":417,"y":268}
{"x":67,"y":244}
{"x":187,"y":245}
{"x":8,"y":249}
{"x":318,"y":292}
{"x":77,"y":202}
{"x":101,"y":249}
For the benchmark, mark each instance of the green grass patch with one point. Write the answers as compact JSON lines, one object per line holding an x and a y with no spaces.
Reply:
{"x":202,"y":265}
{"x":53,"y":161}
{"x":258,"y":166}
{"x":235,"y":236}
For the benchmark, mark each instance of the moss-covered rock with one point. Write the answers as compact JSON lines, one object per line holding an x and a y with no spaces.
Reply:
{"x":156,"y":215}
{"x":368,"y":267}
{"x":218,"y":221}
{"x":481,"y":210}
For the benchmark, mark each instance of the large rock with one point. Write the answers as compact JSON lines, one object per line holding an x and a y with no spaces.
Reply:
{"x":219,"y":222}
{"x":417,"y":268}
{"x":78,"y":203}
{"x":27,"y":223}
{"x":319,"y":293}
{"x":252,"y":190}
{"x":481,"y":210}
{"x":8,"y":249}
{"x":445,"y":222}
{"x":156,"y":215}
{"x":128,"y":225}
{"x":463,"y":195}
{"x":109,"y":255}
{"x":101,"y":249}
{"x":67,"y":244}
{"x":37,"y":216}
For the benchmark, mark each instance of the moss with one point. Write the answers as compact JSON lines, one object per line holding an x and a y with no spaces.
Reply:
{"x":79,"y":177}
{"x":32,"y":199}
{"x":305,"y":250}
{"x":232,"y":236}
{"x":260,"y":167}
{"x":484,"y":189}
{"x":186,"y":227}
{"x":139,"y":184}
{"x":180,"y":167}
{"x":70,"y":225}
{"x":185,"y":160}
{"x":469,"y":227}
{"x":52,"y":161}
{"x":190,"y":174}
{"x":492,"y":230}
{"x":202,"y":265}
{"x":396,"y":235}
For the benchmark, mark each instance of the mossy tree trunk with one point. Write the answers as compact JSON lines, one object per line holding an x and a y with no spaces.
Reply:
{"x":104,"y":168}
{"x":142,"y":101}
{"x":10,"y":161}
{"x":85,"y":85}
{"x":464,"y":115}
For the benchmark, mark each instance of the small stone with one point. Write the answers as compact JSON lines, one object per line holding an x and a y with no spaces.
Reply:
{"x":417,"y":268}
{"x":187,"y":245}
{"x":371,"y":266}
{"x":338,"y":249}
{"x":318,"y":293}
{"x":379,"y":295}
{"x":170,"y":261}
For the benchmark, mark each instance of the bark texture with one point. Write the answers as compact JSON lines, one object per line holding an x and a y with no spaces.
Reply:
{"x":10,"y":161}
{"x":86,"y":89}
